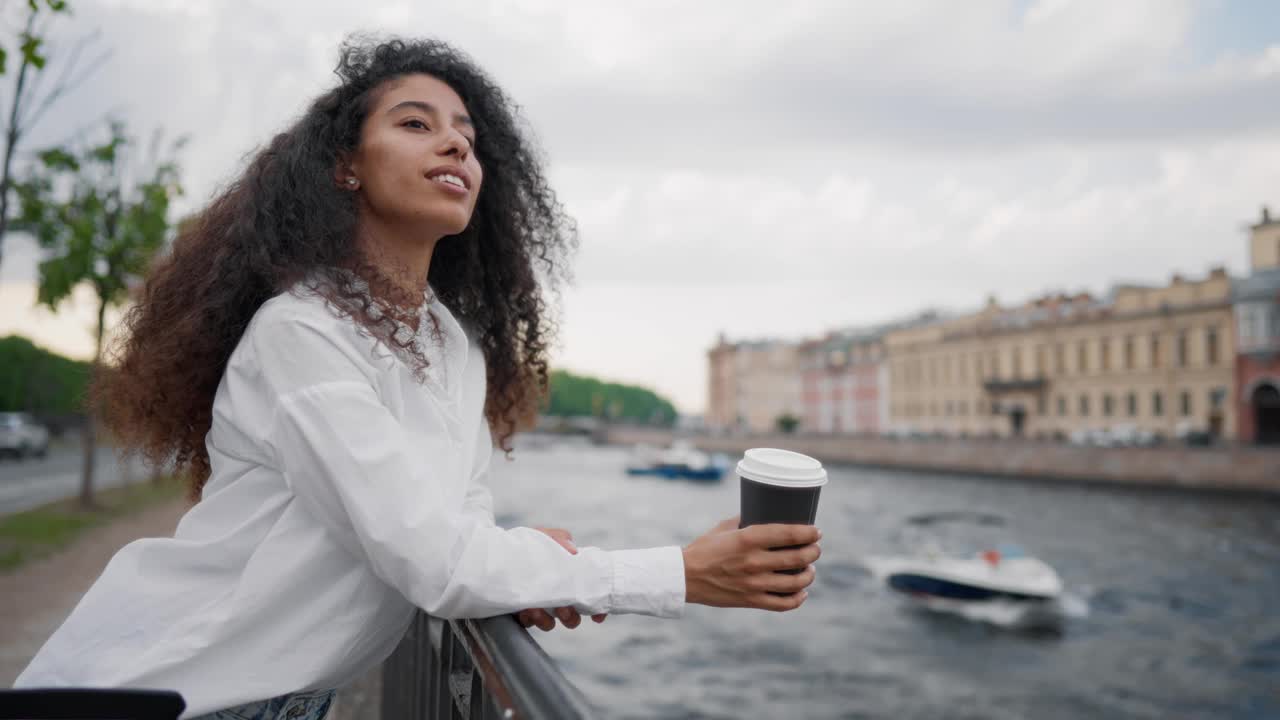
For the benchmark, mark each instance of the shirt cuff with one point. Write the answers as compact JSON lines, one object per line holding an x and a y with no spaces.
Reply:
{"x":648,"y":582}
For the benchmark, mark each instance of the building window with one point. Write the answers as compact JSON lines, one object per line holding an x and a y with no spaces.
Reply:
{"x":1182,"y":348}
{"x":948,"y":408}
{"x":1211,"y":346}
{"x":1186,"y":403}
{"x":1040,"y":367}
{"x":1041,"y":403}
{"x":1082,"y":357}
{"x":1217,"y":398}
{"x":995,"y":366}
{"x":1107,"y":405}
{"x":1155,"y":350}
{"x":1062,"y":405}
{"x":1084,"y":406}
{"x":1128,"y":352}
{"x":1157,"y":404}
{"x":1133,"y":404}
{"x":964,"y":408}
{"x":1017,"y":363}
{"x":964,"y":369}
{"x":1104,"y":350}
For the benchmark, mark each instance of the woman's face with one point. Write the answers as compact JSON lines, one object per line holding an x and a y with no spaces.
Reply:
{"x":416,"y":163}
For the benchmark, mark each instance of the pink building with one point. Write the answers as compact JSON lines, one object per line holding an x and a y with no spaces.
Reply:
{"x":844,"y":384}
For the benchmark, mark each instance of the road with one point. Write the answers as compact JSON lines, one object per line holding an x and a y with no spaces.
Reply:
{"x":32,"y":482}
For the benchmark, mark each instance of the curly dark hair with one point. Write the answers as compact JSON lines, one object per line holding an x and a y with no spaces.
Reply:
{"x":285,"y":219}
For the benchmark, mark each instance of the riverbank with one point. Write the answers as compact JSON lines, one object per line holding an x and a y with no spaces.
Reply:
{"x":32,"y":534}
{"x":1235,"y":469}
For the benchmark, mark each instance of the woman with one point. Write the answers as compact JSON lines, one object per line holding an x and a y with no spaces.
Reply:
{"x":326,"y":352}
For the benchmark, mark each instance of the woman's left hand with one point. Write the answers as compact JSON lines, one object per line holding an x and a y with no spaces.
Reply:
{"x":567,"y":615}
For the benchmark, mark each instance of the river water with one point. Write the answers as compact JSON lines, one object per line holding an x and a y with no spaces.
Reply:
{"x":1173,"y":602}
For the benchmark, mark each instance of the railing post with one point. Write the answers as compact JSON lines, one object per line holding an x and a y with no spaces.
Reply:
{"x":475,"y":670}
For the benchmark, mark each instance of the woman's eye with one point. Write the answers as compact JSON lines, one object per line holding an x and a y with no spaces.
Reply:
{"x":416,"y":124}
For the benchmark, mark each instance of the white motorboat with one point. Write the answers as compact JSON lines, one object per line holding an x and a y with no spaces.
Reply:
{"x":989,"y":575}
{"x":996,"y":574}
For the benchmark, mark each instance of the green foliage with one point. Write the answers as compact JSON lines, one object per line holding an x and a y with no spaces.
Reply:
{"x":787,"y":423}
{"x":30,"y":43}
{"x":96,"y":224}
{"x":31,"y":50}
{"x":36,"y":380}
{"x":576,"y":395}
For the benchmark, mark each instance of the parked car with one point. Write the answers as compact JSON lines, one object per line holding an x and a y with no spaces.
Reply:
{"x":1131,"y":435}
{"x":1191,"y":434}
{"x":1089,"y":437}
{"x":21,"y":435}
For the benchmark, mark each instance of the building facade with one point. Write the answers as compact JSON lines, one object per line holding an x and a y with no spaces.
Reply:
{"x":722,"y":393}
{"x":1257,"y":316}
{"x":844,"y":384}
{"x":752,"y":385}
{"x":1156,"y":359}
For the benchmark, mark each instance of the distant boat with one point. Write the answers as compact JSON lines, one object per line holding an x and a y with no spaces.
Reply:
{"x":681,"y":461}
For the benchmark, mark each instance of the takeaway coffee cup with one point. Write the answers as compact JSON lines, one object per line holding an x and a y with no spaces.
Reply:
{"x":779,"y":486}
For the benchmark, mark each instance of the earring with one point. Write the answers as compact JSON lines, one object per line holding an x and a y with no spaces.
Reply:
{"x":353,"y":183}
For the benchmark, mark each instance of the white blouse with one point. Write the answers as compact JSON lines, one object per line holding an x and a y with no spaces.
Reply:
{"x":344,"y":493}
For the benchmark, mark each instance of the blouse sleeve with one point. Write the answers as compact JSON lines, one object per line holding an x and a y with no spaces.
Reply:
{"x":347,"y":459}
{"x":478,"y":502}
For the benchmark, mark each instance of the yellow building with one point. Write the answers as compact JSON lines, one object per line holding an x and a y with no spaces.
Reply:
{"x":752,"y":385}
{"x":1145,"y":359}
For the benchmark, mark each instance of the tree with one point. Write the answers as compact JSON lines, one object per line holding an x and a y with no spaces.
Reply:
{"x":30,"y":42}
{"x":787,"y":423}
{"x":30,"y":100}
{"x":577,"y":395}
{"x":35,"y":380}
{"x":100,"y":215}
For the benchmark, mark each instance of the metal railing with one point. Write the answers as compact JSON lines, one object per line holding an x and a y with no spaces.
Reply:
{"x":475,"y":670}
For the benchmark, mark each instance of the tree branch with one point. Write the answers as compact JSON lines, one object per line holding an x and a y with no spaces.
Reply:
{"x":83,"y":130}
{"x":64,"y":86}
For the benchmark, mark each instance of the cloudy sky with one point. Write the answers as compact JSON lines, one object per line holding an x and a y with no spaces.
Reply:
{"x":771,"y":169}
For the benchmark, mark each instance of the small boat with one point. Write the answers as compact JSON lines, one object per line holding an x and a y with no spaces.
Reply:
{"x":681,"y":461}
{"x":988,"y":575}
{"x":1003,"y":586}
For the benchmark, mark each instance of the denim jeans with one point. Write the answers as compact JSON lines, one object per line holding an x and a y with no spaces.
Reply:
{"x":312,"y":705}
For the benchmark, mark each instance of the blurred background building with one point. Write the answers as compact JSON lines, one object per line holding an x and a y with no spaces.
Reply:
{"x":1193,"y":357}
{"x":844,"y":383}
{"x":753,"y":385}
{"x":1257,"y":309}
{"x":1151,"y":358}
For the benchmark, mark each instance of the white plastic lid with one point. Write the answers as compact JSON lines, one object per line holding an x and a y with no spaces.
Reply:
{"x":781,"y":467}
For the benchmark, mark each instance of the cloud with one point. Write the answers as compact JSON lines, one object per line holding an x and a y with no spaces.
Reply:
{"x":776,"y":169}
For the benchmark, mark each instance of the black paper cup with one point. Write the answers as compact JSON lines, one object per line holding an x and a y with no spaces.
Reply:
{"x":779,"y":486}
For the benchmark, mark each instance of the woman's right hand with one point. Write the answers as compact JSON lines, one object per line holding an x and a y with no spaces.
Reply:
{"x":731,"y":567}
